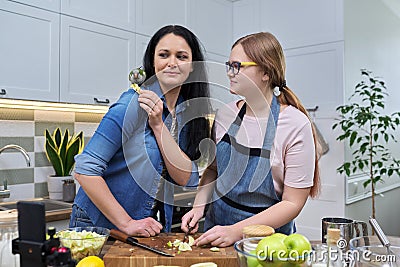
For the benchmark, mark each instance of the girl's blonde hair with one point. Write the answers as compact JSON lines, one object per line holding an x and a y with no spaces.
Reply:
{"x":264,"y":49}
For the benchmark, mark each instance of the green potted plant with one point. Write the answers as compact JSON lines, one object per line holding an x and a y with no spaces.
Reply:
{"x":60,"y":150}
{"x":368,"y":132}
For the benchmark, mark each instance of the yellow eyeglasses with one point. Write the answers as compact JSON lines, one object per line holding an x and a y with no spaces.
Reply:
{"x":234,"y":66}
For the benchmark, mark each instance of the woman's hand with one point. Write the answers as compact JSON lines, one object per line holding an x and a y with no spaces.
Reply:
{"x":220,"y":236}
{"x":152,"y":104}
{"x":145,"y":227}
{"x":191,"y":219}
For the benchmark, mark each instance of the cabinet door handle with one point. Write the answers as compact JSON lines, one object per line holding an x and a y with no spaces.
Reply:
{"x":106,"y":101}
{"x":3,"y":91}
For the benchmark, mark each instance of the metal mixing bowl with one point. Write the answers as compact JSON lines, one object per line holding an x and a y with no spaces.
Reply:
{"x":368,"y":251}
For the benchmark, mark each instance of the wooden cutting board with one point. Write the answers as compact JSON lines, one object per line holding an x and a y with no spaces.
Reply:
{"x":123,"y":255}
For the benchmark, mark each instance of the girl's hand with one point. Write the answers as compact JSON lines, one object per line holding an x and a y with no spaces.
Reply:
{"x":219,"y":236}
{"x":191,"y":219}
{"x":152,"y":104}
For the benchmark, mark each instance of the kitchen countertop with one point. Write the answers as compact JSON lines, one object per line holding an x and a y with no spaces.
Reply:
{"x":56,"y":210}
{"x":60,"y":215}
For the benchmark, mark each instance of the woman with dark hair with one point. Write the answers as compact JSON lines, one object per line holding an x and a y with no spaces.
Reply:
{"x":148,"y":141}
{"x":266,"y":163}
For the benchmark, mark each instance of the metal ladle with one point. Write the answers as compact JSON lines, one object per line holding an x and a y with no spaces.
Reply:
{"x":382,"y":237}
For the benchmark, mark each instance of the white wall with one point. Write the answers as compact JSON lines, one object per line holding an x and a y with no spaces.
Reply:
{"x":372,"y":41}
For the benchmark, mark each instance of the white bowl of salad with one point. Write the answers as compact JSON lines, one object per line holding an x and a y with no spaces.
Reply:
{"x":84,"y":241}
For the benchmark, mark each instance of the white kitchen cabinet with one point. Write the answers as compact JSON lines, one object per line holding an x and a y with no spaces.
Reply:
{"x":204,"y":18}
{"x":29,"y":52}
{"x":327,"y":61}
{"x":151,"y":15}
{"x":117,"y":13}
{"x":301,"y":23}
{"x":294,"y":23}
{"x":246,"y":17}
{"x":52,"y":5}
{"x":141,"y":45}
{"x":95,"y":61}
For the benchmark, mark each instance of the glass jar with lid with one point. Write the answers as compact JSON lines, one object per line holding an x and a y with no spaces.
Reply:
{"x":8,"y":232}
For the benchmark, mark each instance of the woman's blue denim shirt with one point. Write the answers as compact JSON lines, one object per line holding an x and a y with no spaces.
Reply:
{"x":124,"y":151}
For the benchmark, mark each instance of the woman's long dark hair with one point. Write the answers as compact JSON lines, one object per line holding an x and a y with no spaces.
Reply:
{"x":195,"y":87}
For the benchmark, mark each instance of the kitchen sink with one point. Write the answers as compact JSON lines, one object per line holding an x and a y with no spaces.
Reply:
{"x":50,"y":205}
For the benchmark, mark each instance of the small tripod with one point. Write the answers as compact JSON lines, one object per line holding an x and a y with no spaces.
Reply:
{"x":34,"y":249}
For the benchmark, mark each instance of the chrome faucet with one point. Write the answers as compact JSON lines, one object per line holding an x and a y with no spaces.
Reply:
{"x":5,"y":193}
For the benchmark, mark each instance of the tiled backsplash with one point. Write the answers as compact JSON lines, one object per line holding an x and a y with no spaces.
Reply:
{"x":26,"y":129}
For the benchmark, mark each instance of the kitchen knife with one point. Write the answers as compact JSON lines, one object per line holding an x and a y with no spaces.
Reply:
{"x":187,"y":233}
{"x":134,"y":242}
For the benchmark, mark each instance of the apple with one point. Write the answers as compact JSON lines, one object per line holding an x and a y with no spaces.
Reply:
{"x":280,"y":250}
{"x":252,"y":261}
{"x":297,"y":245}
{"x":279,"y":235}
{"x":270,"y":248}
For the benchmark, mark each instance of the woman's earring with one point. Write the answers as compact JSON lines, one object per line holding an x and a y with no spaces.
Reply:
{"x":277,"y":92}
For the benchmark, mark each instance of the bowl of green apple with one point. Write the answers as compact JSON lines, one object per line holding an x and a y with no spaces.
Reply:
{"x":83,"y":241}
{"x":276,"y":250}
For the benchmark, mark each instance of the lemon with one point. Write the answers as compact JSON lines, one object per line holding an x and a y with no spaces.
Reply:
{"x":91,"y":261}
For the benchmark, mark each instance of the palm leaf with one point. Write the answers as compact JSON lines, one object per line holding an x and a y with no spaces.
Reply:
{"x":63,"y":147}
{"x":72,"y":150}
{"x":81,"y":141}
{"x":54,"y":158}
{"x":57,"y":137}
{"x":49,"y":138}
